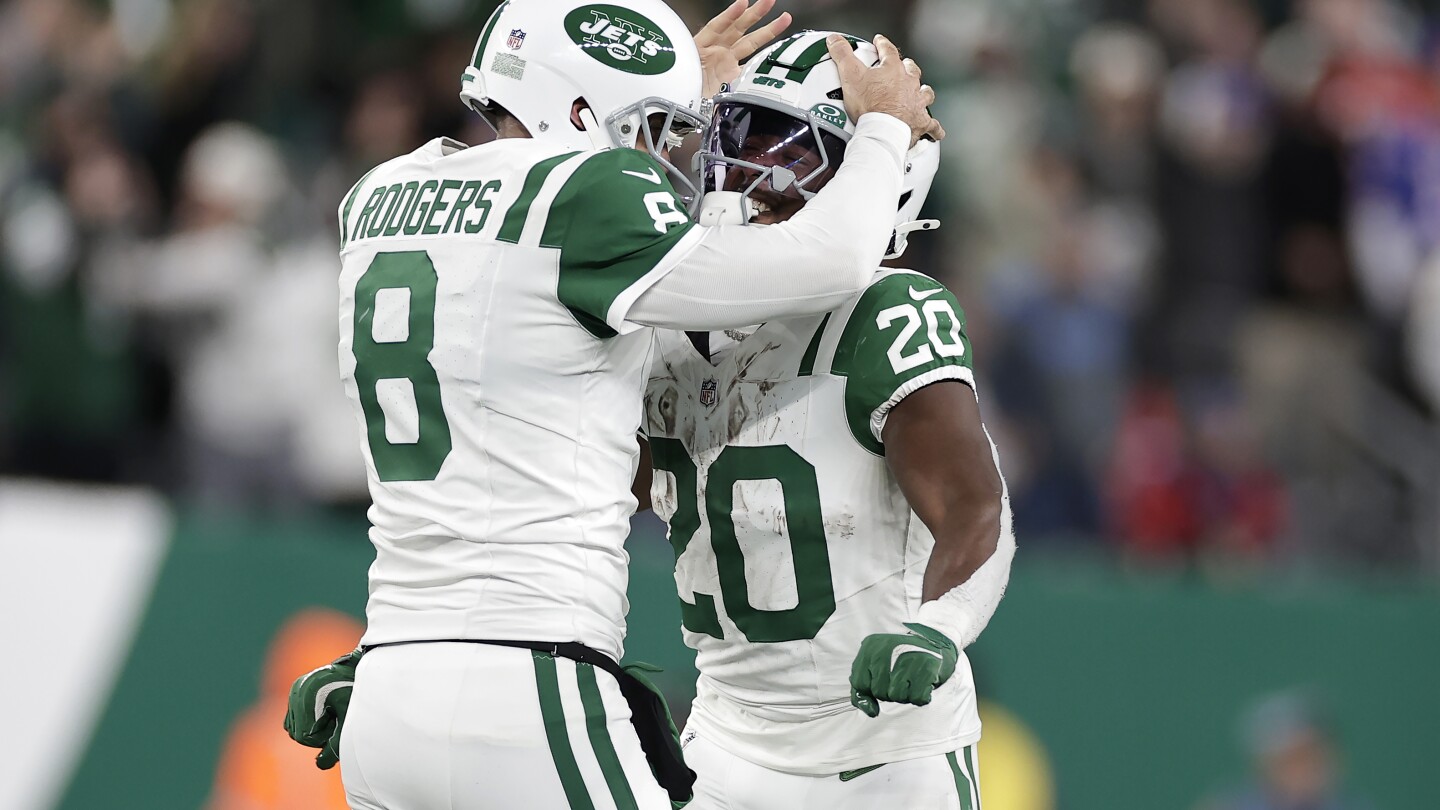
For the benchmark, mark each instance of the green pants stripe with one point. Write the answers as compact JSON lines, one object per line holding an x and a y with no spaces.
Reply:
{"x":974,"y":774}
{"x":596,"y":726}
{"x":553,"y":714}
{"x":964,"y":779}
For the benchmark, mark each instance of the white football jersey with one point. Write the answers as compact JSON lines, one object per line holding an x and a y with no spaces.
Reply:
{"x":793,"y":541}
{"x":497,"y":385}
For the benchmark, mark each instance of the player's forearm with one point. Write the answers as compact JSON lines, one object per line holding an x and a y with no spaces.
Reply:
{"x":963,"y":546}
{"x":958,"y":599}
{"x":949,"y":471}
{"x":740,"y":275}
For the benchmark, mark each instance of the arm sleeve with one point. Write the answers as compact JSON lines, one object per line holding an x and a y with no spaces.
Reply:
{"x":906,"y":332}
{"x":740,"y":275}
{"x":962,"y":612}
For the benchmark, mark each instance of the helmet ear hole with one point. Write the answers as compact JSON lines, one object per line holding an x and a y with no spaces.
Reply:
{"x":576,"y":107}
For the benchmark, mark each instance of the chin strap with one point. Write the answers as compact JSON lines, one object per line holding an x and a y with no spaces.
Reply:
{"x":901,"y":238}
{"x":594,"y":131}
{"x":724,"y":208}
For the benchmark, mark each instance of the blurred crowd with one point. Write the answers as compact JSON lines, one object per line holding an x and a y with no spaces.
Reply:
{"x":1196,"y":242}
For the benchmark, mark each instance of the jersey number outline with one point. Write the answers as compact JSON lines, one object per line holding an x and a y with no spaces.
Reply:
{"x":933,"y":309}
{"x":663,"y":211}
{"x":809,"y":552}
{"x":408,"y":359}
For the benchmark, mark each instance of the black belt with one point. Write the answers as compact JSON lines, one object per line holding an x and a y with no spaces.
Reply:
{"x":648,"y":712}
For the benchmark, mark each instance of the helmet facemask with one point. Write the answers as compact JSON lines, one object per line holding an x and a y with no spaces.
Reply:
{"x":773,"y":158}
{"x":664,"y":125}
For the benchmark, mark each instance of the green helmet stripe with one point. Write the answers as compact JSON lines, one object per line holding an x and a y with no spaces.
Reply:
{"x":772,"y":61}
{"x":485,"y":36}
{"x":808,"y":59}
{"x":798,"y":67}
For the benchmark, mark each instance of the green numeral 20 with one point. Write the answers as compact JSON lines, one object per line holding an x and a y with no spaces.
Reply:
{"x":408,"y":360}
{"x":811,"y":556}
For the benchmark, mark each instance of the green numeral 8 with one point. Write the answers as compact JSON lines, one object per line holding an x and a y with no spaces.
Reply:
{"x":405,"y":360}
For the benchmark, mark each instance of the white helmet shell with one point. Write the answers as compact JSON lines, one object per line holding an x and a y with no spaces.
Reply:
{"x":626,"y":59}
{"x":797,"y":77}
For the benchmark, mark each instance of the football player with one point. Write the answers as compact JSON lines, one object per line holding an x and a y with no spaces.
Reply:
{"x":840,"y":525}
{"x":493,"y":305}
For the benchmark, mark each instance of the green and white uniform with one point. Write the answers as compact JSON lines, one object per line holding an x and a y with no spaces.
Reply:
{"x":793,"y":541}
{"x":497,"y":382}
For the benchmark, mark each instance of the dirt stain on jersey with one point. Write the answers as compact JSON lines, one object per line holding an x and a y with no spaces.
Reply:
{"x":664,"y":407}
{"x":841,"y":526}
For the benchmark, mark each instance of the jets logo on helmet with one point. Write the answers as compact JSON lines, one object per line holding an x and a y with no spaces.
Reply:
{"x":649,"y":86}
{"x":621,"y":38}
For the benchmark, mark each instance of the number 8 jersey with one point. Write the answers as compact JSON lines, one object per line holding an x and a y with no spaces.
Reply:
{"x":792,"y":540}
{"x":497,"y":385}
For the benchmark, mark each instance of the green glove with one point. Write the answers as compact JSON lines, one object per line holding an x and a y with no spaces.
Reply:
{"x":901,"y":667}
{"x":316,"y":710}
{"x":641,"y":672}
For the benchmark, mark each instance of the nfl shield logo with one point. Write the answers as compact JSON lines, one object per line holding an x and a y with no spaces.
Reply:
{"x":708,"y":394}
{"x":517,"y":38}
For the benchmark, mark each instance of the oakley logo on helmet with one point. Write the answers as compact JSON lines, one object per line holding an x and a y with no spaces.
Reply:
{"x":621,"y":38}
{"x":830,"y":114}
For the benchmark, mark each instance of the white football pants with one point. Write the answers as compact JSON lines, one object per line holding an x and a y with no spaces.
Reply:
{"x":454,"y":726}
{"x":727,"y":782}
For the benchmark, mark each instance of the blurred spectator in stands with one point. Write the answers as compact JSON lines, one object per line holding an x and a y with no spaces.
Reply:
{"x":1215,"y":126}
{"x":1118,"y":69}
{"x":1060,"y":354}
{"x":1295,"y":757}
{"x":1192,"y":484}
{"x":1377,"y":94}
{"x":190,"y":290}
{"x":1241,"y":501}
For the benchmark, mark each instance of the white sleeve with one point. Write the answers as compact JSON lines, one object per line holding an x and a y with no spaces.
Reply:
{"x":740,"y":275}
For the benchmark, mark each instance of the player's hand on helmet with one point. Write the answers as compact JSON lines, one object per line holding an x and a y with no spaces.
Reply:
{"x":901,"y":667}
{"x":315,"y":712}
{"x":892,"y":87}
{"x":727,"y":40}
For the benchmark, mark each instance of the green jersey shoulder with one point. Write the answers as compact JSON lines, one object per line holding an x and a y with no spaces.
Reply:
{"x":614,"y":221}
{"x":903,"y":332}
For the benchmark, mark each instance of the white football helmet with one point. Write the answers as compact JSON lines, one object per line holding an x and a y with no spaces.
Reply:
{"x":780,"y":130}
{"x":628,"y":60}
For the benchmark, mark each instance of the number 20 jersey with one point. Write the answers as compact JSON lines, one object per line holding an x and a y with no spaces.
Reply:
{"x":497,"y":385}
{"x":793,"y":541}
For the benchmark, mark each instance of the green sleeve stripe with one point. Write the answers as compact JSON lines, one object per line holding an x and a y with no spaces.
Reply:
{"x":962,"y":782}
{"x":345,"y":209}
{"x":485,"y":35}
{"x":807,"y":362}
{"x":547,"y":683}
{"x":597,"y":725}
{"x":514,"y":224}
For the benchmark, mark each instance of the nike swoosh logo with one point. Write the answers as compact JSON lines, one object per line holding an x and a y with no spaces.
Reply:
{"x":919,"y":296}
{"x":846,"y":776}
{"x":653,"y":176}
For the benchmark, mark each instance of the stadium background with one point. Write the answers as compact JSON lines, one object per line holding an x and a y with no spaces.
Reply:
{"x":1195,"y":241}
